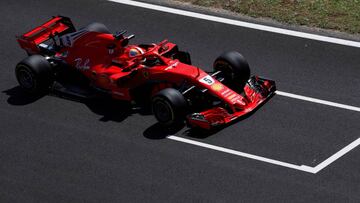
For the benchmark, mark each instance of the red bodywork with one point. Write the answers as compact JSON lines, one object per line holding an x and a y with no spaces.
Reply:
{"x":106,"y":62}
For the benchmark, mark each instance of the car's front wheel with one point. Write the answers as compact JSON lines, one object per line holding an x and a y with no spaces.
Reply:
{"x":234,"y":68}
{"x":169,"y":107}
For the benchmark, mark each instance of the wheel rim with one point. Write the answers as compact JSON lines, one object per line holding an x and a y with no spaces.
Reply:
{"x":162,"y":111}
{"x":226,"y":69}
{"x":25,"y":78}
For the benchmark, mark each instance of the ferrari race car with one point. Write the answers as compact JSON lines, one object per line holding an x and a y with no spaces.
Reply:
{"x":92,"y":61}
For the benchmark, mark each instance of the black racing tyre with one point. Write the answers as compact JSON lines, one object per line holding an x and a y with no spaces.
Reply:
{"x":169,"y":107}
{"x":97,"y":27}
{"x":234,"y":67}
{"x":34,"y":74}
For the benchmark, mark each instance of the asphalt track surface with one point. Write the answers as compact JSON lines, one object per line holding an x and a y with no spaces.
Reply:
{"x":59,"y":150}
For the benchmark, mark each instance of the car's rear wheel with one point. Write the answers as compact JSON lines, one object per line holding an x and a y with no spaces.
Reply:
{"x":169,"y":107}
{"x":34,"y":74}
{"x":234,"y":68}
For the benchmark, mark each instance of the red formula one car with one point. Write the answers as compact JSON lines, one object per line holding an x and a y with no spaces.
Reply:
{"x":92,"y":60}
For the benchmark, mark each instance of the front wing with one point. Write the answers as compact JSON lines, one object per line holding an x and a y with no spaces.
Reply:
{"x":256,"y":91}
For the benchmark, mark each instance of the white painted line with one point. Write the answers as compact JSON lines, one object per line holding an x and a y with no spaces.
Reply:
{"x":318,"y":101}
{"x":239,"y":23}
{"x":242,"y":154}
{"x":337,"y":155}
{"x":303,"y":168}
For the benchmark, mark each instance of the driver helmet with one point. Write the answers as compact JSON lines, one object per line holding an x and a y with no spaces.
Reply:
{"x":135,"y":51}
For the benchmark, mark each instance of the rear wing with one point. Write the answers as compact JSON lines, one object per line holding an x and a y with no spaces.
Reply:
{"x":57,"y":26}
